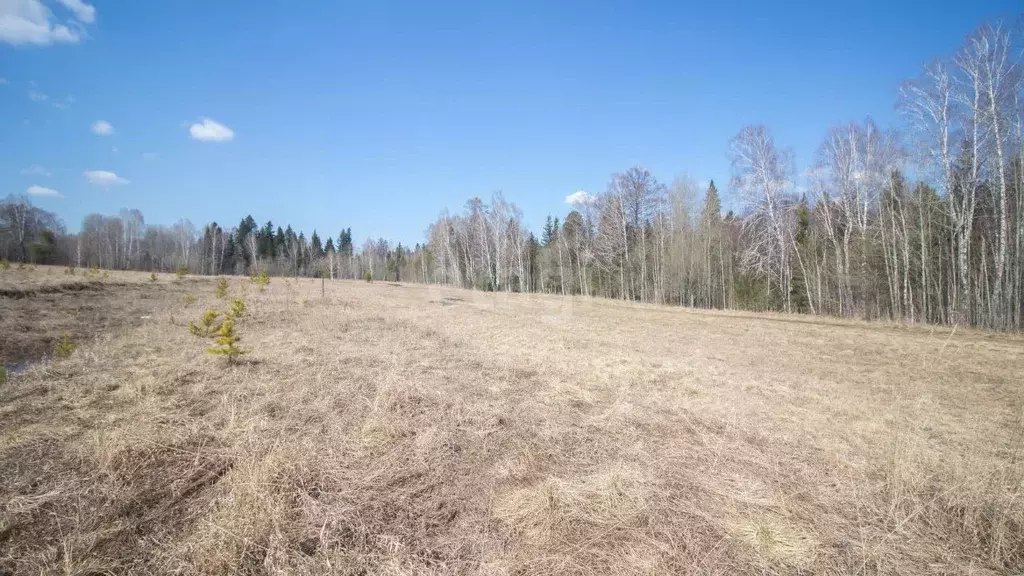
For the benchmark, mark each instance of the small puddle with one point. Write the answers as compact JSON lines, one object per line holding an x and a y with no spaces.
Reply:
{"x":17,"y":368}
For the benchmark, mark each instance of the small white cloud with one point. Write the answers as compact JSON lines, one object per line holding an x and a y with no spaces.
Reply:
{"x":579,"y":197}
{"x":43,"y":191}
{"x":210,"y":131}
{"x":102,"y":128}
{"x":113,"y":149}
{"x":31,"y":22}
{"x":4,"y":82}
{"x":37,"y":96}
{"x":84,"y":12}
{"x":35,"y":170}
{"x":104,"y":178}
{"x":149,"y":156}
{"x":65,"y":103}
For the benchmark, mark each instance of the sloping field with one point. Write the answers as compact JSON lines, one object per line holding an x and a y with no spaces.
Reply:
{"x":405,"y":429}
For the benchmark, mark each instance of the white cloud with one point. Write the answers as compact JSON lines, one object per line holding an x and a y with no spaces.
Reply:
{"x":35,"y":170}
{"x":84,"y":12}
{"x":65,"y":103}
{"x":36,"y":96}
{"x":43,"y":191}
{"x":31,"y":22}
{"x":579,"y":197}
{"x":104,"y":178}
{"x":210,"y":131}
{"x":102,"y":127}
{"x":113,"y":149}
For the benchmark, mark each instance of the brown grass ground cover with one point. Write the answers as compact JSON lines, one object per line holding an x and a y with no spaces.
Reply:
{"x":387,"y":429}
{"x":41,"y":306}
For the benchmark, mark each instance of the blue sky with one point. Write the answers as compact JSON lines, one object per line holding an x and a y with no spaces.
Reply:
{"x":376,"y":115}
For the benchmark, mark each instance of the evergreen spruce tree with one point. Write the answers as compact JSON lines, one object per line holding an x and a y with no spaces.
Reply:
{"x":300,"y":257}
{"x":711,"y":214}
{"x":712,"y":289}
{"x":245,"y":227}
{"x":279,"y":242}
{"x":548,"y":234}
{"x":798,"y":286}
{"x":314,"y":246}
{"x":228,"y":262}
{"x":345,"y":242}
{"x":266,"y":240}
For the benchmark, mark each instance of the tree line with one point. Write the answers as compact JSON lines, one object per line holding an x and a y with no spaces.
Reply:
{"x":924,"y":223}
{"x":861,"y":238}
{"x":124,"y":241}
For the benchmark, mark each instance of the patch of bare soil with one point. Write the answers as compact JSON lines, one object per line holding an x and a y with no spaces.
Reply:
{"x":34,"y":318}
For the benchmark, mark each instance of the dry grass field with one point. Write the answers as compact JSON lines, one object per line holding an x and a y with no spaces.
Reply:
{"x":406,"y":429}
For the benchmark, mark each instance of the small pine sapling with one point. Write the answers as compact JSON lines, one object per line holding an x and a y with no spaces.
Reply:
{"x":225,"y":342}
{"x":207,"y":325}
{"x":190,"y":299}
{"x":3,"y":375}
{"x":152,"y":276}
{"x":368,"y":276}
{"x":5,"y":265}
{"x":65,"y":346}
{"x":181,"y":271}
{"x":70,"y":270}
{"x":237,"y":308}
{"x":263,"y":280}
{"x":222,"y":288}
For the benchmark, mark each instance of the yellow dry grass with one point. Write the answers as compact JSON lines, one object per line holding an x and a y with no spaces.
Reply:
{"x":386,"y":429}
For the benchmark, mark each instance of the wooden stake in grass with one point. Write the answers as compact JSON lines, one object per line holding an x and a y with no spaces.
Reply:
{"x":225,"y":343}
{"x":222,"y":288}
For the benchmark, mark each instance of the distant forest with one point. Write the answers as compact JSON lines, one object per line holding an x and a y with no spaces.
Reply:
{"x":859,"y":238}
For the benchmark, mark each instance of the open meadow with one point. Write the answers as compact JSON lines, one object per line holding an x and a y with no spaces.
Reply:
{"x":384,"y":428}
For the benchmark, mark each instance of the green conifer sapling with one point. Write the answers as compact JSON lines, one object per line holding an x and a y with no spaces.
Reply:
{"x":225,"y":342}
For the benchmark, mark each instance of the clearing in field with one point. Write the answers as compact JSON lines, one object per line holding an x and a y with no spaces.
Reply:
{"x":408,"y":429}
